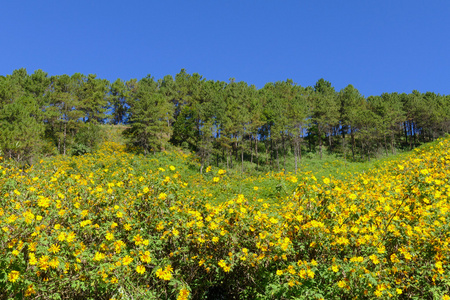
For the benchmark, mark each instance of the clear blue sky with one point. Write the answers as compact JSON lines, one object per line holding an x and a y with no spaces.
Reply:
{"x":378,"y":46}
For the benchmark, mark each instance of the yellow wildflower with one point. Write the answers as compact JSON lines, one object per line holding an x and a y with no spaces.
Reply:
{"x":13,"y":276}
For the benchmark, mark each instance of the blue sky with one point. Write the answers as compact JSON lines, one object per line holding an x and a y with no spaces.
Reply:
{"x":378,"y":46}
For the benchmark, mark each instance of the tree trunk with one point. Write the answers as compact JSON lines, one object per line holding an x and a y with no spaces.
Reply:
{"x":320,"y":144}
{"x":242,"y":160}
{"x":251,"y":149}
{"x":59,"y":139}
{"x":352,"y":135}
{"x":329,"y":140}
{"x":300,"y":149}
{"x":231,"y":160}
{"x":392,"y":144}
{"x":278,"y":161}
{"x":406,"y":131}
{"x":385,"y":146}
{"x":410,"y":136}
{"x":65,"y":134}
{"x":295,"y":160}
{"x":256,"y":152}
{"x":296,"y":152}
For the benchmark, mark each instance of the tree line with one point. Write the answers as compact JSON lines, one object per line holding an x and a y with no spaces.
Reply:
{"x":223,"y":122}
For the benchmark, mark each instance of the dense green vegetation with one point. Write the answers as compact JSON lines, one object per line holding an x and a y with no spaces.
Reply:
{"x":112,"y":224}
{"x":227,"y":125}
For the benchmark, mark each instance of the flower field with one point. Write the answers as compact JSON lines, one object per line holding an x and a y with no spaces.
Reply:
{"x":114,"y":225}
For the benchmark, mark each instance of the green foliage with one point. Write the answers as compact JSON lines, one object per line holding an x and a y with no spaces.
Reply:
{"x":150,"y":117}
{"x":381,"y":233}
{"x":20,"y":131}
{"x":232,"y":124}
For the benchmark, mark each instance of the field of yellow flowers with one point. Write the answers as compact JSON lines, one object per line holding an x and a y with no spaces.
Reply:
{"x":114,"y":225}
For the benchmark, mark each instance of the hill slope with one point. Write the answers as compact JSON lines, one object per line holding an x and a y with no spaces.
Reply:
{"x":117,"y":225}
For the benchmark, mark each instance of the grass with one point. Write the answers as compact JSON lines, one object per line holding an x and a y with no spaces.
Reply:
{"x":270,"y":183}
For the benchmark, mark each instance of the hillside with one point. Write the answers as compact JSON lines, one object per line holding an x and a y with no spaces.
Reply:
{"x":111,"y":224}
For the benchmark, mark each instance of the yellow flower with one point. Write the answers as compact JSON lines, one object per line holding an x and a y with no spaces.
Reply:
{"x":30,"y":291}
{"x":70,"y":237}
{"x":164,"y":274}
{"x":109,"y":236}
{"x":183,"y":295}
{"x":13,"y":276}
{"x":146,"y":257}
{"x":127,"y":260}
{"x":335,"y":268}
{"x":341,"y":284}
{"x":216,"y":179}
{"x":138,"y":239}
{"x":32,"y":259}
{"x":378,"y":293}
{"x":399,"y":291}
{"x":43,"y":262}
{"x":54,"y":263}
{"x":85,"y":223}
{"x":61,"y":237}
{"x":374,"y":259}
{"x":54,"y":248}
{"x":160,"y":226}
{"x":140,"y":269}
{"x":279,"y":272}
{"x":99,"y":256}
{"x":43,"y":202}
{"x":162,"y":196}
